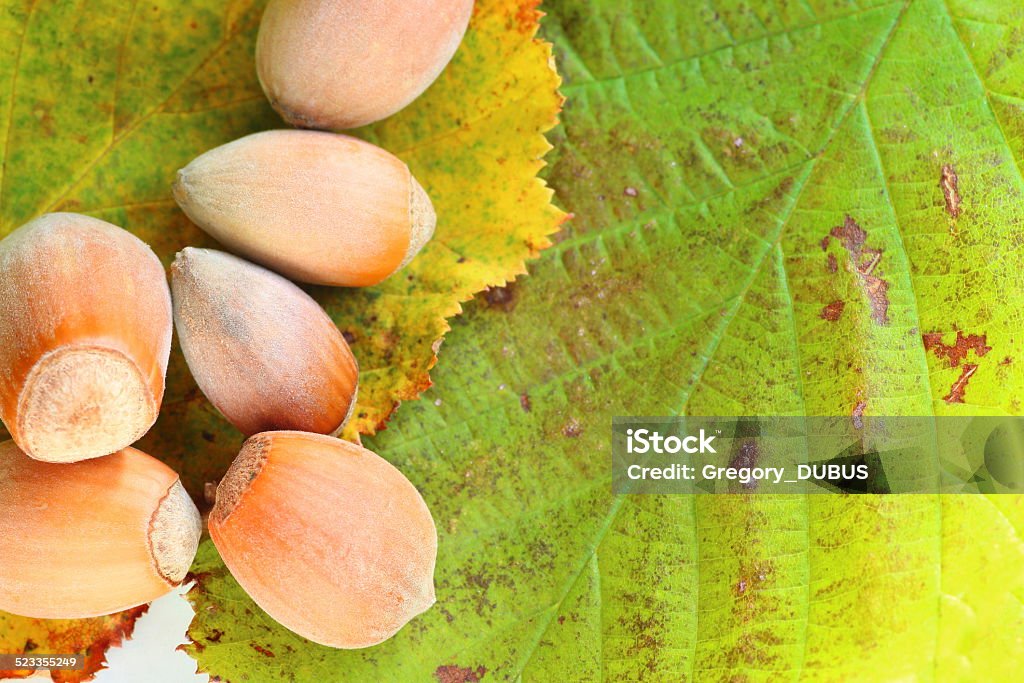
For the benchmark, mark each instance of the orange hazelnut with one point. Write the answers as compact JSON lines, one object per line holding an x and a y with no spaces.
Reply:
{"x":85,"y":334}
{"x":93,"y":537}
{"x":328,"y":538}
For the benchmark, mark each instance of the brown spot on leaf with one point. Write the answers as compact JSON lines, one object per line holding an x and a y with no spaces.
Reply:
{"x":746,"y":456}
{"x":858,"y":414}
{"x":751,"y":576}
{"x":572,"y":429}
{"x":956,"y":352}
{"x":646,"y":631}
{"x":864,"y":261}
{"x":950,"y":185}
{"x":1006,"y":361}
{"x":200,"y":577}
{"x":833,"y":311}
{"x":900,"y":134}
{"x":956,"y":392}
{"x":524,"y":402}
{"x":724,"y":143}
{"x":451,"y":673}
{"x":771,"y":199}
{"x":599,"y":284}
{"x":502,"y":298}
{"x":832,"y":264}
{"x":262,"y":650}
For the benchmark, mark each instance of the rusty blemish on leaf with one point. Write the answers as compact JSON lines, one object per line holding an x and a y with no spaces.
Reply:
{"x":864,"y":261}
{"x":858,"y":414}
{"x":524,"y":402}
{"x":956,"y":392}
{"x":647,"y":630}
{"x":746,"y":456}
{"x":950,"y":185}
{"x":751,"y":576}
{"x":833,"y":311}
{"x":956,"y":352}
{"x":262,"y":650}
{"x":201,"y":577}
{"x":502,"y":298}
{"x":572,"y":428}
{"x":452,"y":673}
{"x":771,"y":200}
{"x":832,"y":265}
{"x":725,"y":143}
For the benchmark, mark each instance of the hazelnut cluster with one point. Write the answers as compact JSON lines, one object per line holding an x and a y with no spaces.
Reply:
{"x":328,"y":538}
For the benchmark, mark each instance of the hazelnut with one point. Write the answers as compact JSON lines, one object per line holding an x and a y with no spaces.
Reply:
{"x":336,"y":64}
{"x":264,"y":353}
{"x":93,"y":537}
{"x":328,"y":538}
{"x":316,"y":207}
{"x":85,"y":335}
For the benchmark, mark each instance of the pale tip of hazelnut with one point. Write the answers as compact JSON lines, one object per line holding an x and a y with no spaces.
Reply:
{"x":174,"y":533}
{"x":180,"y":187}
{"x":181,"y":259}
{"x":422,"y":219}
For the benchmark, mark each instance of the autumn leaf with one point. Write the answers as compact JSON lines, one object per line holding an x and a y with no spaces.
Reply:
{"x":88,"y":637}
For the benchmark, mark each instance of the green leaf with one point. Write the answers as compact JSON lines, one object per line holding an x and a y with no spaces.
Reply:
{"x":708,"y":149}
